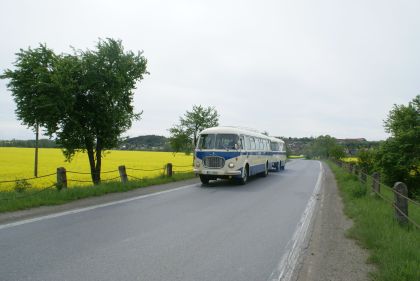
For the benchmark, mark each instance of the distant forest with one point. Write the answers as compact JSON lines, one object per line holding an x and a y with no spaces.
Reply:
{"x":43,"y":143}
{"x":148,"y":143}
{"x":295,"y":146}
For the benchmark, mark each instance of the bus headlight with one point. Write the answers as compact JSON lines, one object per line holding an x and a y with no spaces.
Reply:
{"x":231,"y":165}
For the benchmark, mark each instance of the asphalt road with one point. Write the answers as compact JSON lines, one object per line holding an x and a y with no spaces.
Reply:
{"x":219,"y":232}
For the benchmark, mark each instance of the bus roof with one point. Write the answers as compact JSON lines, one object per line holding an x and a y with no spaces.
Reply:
{"x":233,"y":130}
{"x":273,"y":139}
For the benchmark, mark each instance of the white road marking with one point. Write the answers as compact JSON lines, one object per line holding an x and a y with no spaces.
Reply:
{"x":287,"y":264}
{"x":85,"y":209}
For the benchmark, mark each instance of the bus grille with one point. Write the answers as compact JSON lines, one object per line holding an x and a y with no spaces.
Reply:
{"x":216,"y":162}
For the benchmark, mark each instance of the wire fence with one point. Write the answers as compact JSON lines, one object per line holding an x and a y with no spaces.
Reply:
{"x":391,"y":189}
{"x":183,"y":171}
{"x":28,"y":179}
{"x":86,"y":178}
{"x":32,"y":194}
{"x":376,"y":189}
{"x":185,"y":166}
{"x":146,"y":170}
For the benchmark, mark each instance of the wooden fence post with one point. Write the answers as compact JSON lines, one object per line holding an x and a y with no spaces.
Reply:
{"x":350,"y":168}
{"x":169,"y":169}
{"x":376,"y":186}
{"x":362,"y":176}
{"x":123,"y":174}
{"x":400,"y":202}
{"x":61,"y":178}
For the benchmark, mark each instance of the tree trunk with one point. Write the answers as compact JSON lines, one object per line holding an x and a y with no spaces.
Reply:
{"x":91,"y":156}
{"x":36,"y":150}
{"x":95,"y":161}
{"x":194,"y":146}
{"x":98,"y":165}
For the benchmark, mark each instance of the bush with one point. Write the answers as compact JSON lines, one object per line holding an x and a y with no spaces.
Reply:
{"x":21,"y":186}
{"x":366,"y":160}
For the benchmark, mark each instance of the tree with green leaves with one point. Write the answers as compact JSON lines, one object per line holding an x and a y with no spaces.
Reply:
{"x":34,"y":90}
{"x":184,"y":135}
{"x":324,"y":147}
{"x":398,"y":158}
{"x":91,"y":105}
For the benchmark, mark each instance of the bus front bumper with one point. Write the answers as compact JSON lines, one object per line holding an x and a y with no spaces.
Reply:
{"x":217,"y":172}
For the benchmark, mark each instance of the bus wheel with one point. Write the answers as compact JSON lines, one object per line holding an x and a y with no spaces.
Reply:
{"x":244,"y":177}
{"x":265,"y":170}
{"x":204,"y":179}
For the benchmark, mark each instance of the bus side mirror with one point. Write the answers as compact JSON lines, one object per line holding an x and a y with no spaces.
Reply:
{"x":236,"y":146}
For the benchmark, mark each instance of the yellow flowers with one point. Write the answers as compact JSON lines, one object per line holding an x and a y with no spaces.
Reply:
{"x":350,"y":159}
{"x":296,"y":156}
{"x":18,"y":163}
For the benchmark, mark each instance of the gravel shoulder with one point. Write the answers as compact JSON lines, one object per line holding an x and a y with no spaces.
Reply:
{"x":81,"y":203}
{"x":330,"y":255}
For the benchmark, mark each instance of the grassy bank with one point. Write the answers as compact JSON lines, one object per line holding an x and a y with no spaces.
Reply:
{"x":394,"y":249}
{"x":12,"y":200}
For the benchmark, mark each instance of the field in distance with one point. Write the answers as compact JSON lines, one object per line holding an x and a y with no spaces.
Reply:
{"x":18,"y":163}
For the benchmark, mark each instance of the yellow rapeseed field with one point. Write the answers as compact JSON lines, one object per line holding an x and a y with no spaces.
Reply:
{"x":350,"y":159}
{"x":18,"y":163}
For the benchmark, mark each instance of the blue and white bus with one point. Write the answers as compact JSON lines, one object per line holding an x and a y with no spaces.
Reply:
{"x":278,"y":154}
{"x":231,"y":153}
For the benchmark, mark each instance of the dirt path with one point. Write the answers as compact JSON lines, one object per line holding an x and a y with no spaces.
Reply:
{"x":330,"y":255}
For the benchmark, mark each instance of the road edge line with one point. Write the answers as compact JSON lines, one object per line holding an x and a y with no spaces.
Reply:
{"x":85,"y":209}
{"x":294,"y":247}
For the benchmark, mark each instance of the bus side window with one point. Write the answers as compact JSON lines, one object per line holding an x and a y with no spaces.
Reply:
{"x":247,"y":146}
{"x":241,"y":142}
{"x":252,"y":141}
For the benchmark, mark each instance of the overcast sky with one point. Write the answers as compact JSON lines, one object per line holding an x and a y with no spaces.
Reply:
{"x":292,"y":68}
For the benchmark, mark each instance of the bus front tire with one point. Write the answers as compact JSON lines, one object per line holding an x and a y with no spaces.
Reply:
{"x":204,"y":179}
{"x":244,"y":177}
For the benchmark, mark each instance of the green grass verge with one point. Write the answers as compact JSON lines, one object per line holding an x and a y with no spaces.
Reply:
{"x":394,"y":249}
{"x":12,"y":201}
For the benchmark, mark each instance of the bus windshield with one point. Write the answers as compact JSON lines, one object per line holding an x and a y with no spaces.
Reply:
{"x":219,"y":141}
{"x":275,"y":146}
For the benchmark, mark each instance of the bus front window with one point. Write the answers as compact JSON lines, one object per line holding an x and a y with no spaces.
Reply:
{"x":206,"y":141}
{"x":227,"y":141}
